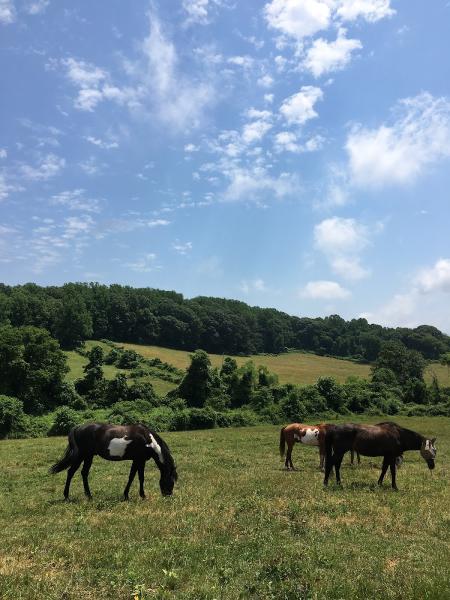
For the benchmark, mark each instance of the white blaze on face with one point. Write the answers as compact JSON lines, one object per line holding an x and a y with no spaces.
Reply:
{"x":156,"y":447}
{"x":311,"y":437}
{"x":118,"y":446}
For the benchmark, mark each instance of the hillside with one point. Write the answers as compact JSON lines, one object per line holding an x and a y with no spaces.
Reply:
{"x":291,"y":367}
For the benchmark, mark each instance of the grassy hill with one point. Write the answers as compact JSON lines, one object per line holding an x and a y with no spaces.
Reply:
{"x":238,"y":526}
{"x":292,"y":367}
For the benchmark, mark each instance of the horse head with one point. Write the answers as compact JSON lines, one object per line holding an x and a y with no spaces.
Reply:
{"x":428,"y":452}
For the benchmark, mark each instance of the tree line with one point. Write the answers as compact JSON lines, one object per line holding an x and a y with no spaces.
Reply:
{"x":75,"y":312}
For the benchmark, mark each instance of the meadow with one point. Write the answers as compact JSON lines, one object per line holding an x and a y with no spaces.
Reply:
{"x":237,"y":527}
{"x":291,"y":367}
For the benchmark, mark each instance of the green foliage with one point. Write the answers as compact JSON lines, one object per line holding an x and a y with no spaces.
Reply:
{"x":65,"y":419}
{"x":332,"y":393}
{"x":404,"y":363}
{"x":73,"y":322}
{"x":32,"y":367}
{"x":128,"y":359}
{"x":12,"y":418}
{"x":197,"y":383}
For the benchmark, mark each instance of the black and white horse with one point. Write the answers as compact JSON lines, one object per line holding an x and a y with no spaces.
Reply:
{"x":117,"y":442}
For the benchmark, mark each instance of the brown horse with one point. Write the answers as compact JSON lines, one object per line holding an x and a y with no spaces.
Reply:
{"x":310,"y":435}
{"x":386,"y":439}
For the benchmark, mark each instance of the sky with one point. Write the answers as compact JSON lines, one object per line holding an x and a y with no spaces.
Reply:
{"x":288,"y":153}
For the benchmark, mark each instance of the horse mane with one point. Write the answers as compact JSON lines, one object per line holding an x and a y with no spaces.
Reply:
{"x":408,"y":434}
{"x":168,"y":458}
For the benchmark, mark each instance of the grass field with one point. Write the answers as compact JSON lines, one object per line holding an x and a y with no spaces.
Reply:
{"x":292,"y":367}
{"x":237,"y":526}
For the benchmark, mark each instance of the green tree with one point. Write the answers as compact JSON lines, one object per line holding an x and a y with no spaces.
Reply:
{"x":445,"y":361}
{"x":405,"y":364}
{"x":196,"y":385}
{"x":12,"y":417}
{"x":32,"y":367}
{"x":73,"y":321}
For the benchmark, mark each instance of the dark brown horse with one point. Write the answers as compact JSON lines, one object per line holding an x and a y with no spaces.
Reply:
{"x":125,"y":442}
{"x":384,"y":439}
{"x":310,"y":435}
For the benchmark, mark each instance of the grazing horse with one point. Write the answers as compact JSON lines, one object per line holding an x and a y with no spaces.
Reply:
{"x":310,"y":435}
{"x":112,"y":442}
{"x":385,"y":439}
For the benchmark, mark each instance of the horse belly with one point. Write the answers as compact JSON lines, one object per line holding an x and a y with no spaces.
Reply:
{"x":310,"y":438}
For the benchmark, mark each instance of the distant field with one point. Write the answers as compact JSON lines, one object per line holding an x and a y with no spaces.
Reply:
{"x":237,"y":528}
{"x":292,"y":367}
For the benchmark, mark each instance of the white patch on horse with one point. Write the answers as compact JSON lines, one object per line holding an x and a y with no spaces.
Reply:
{"x":296,"y":437}
{"x":311,"y":437}
{"x":156,"y":447}
{"x":117,"y":446}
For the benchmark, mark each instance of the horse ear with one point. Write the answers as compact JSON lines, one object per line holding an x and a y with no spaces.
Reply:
{"x":433,"y":441}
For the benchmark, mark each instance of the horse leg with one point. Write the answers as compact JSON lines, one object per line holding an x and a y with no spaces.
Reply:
{"x":337,"y":467}
{"x":134,"y":468}
{"x":70,"y":473}
{"x":85,"y":474}
{"x":384,"y":468}
{"x":288,"y":463}
{"x":393,"y":473}
{"x":358,"y":457}
{"x":322,"y":460}
{"x":141,"y":469}
{"x":352,"y":456}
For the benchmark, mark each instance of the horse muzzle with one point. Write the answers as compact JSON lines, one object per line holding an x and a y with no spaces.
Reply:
{"x":430,"y":463}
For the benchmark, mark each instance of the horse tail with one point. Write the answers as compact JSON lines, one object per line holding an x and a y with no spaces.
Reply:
{"x":70,"y":453}
{"x":282,"y":442}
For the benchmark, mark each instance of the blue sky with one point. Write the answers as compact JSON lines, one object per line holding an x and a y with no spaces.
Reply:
{"x":289,"y":153}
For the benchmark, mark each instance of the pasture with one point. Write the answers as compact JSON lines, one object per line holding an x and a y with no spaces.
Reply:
{"x":237,"y":527}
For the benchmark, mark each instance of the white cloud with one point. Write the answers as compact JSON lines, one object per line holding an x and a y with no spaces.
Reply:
{"x":246,"y":62}
{"x":37,"y":7}
{"x":400,"y":152}
{"x":7,"y":12}
{"x":435,"y":278}
{"x":50,"y":166}
{"x":7,"y":188}
{"x":3,"y":153}
{"x":181,"y":248}
{"x":266,"y":81}
{"x":299,"y":108}
{"x":342,"y":240}
{"x":255,"y":131}
{"x":191,"y":148}
{"x":298,"y":18}
{"x":369,"y":10}
{"x":253,"y":183}
{"x":255,"y":285}
{"x":144,"y":264}
{"x":426,"y":301}
{"x":76,"y":200}
{"x":323,"y":57}
{"x":90,"y":166}
{"x":101,"y":143}
{"x":197,"y":11}
{"x":324,"y":290}
{"x":288,"y":141}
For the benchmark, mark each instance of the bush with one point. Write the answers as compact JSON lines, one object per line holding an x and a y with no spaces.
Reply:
{"x":128,"y":359}
{"x":243,"y":417}
{"x":70,"y":397}
{"x":202,"y":418}
{"x":65,"y":419}
{"x":293,"y":408}
{"x":12,"y":418}
{"x":130,"y":412}
{"x":160,"y":419}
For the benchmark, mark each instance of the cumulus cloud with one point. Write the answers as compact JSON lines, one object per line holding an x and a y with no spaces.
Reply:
{"x":7,"y":12}
{"x":426,"y":300}
{"x":37,"y":7}
{"x":197,"y":11}
{"x":288,"y":141}
{"x":399,"y":152}
{"x":254,"y":183}
{"x":324,"y":290}
{"x":76,"y":200}
{"x":299,"y":19}
{"x":323,"y":57}
{"x":299,"y":108}
{"x":341,"y":241}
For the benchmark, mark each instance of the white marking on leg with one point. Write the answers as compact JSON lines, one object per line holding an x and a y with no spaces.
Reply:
{"x":311,"y":437}
{"x":117,"y":446}
{"x":156,"y":447}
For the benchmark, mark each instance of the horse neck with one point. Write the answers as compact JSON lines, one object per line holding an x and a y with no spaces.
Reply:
{"x":411,"y":440}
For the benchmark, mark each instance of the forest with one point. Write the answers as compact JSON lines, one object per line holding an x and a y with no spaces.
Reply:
{"x":76,"y":312}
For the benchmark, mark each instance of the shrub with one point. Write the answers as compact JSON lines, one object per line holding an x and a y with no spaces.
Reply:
{"x":12,"y":418}
{"x":128,"y":359}
{"x":243,"y":417}
{"x":130,"y":412}
{"x":160,"y":419}
{"x":65,"y":419}
{"x":70,"y":397}
{"x":202,"y":418}
{"x":293,"y":408}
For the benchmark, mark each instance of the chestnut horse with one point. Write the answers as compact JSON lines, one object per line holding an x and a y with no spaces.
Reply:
{"x":386,"y":439}
{"x":310,"y":435}
{"x":117,"y":442}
